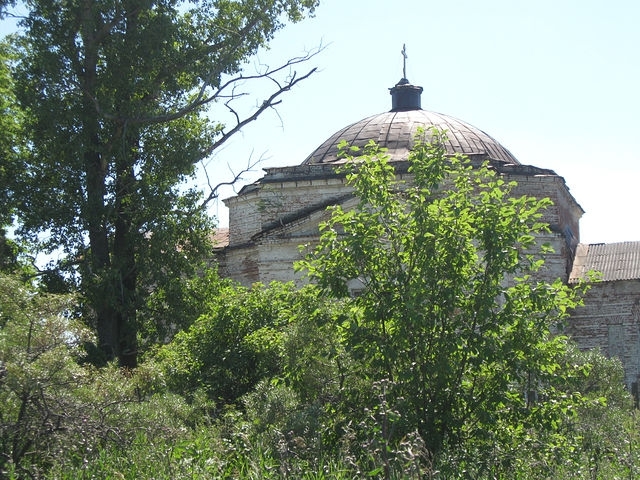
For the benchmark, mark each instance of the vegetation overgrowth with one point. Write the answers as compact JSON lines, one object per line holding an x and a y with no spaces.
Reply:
{"x":296,"y":415}
{"x":279,"y":381}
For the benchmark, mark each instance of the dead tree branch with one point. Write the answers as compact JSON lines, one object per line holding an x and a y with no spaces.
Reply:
{"x":270,"y":102}
{"x":214,"y":191}
{"x":201,"y":99}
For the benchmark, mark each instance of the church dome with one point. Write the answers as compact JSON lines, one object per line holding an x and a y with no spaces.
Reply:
{"x":395,"y":130}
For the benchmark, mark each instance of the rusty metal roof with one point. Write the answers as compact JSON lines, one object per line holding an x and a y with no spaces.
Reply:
{"x":614,"y":261}
{"x":220,"y":238}
{"x":395,"y":130}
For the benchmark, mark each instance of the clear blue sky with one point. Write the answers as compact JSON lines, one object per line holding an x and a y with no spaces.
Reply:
{"x":556,"y":82}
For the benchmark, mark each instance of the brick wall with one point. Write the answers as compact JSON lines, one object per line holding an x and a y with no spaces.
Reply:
{"x":610,"y":321}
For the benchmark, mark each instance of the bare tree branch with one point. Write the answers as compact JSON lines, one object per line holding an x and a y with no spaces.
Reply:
{"x":271,"y":102}
{"x":214,"y":191}
{"x":201,"y":99}
{"x":268,"y":103}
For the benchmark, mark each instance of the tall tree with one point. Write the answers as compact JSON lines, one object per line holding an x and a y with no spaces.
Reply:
{"x":450,"y":319}
{"x":117,"y":94}
{"x":11,"y":151}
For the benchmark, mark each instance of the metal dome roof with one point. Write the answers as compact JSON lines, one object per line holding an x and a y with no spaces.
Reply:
{"x":396,"y":130}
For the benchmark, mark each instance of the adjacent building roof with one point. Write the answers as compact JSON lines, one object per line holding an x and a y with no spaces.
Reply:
{"x":220,"y":238}
{"x":613,"y":261}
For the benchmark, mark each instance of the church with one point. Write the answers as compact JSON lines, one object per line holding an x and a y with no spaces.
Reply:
{"x":270,"y":218}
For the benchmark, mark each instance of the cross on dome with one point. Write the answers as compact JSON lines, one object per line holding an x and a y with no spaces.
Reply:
{"x":404,"y":60}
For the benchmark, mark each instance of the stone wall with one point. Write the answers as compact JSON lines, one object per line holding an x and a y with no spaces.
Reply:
{"x":270,"y":219}
{"x":610,"y":321}
{"x":278,"y":197}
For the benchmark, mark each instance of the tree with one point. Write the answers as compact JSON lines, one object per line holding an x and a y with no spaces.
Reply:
{"x":117,"y":95}
{"x":58,"y":412}
{"x":10,"y":135}
{"x":10,"y":158}
{"x":457,"y":347}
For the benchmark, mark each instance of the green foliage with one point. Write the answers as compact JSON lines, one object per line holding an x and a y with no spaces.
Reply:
{"x":176,"y":304}
{"x":11,"y":139}
{"x":449,"y":313}
{"x":276,"y":333}
{"x":312,"y":416}
{"x":594,"y":436}
{"x":38,"y":344}
{"x":605,"y":424}
{"x":9,"y":252}
{"x":235,"y":343}
{"x":315,"y":363}
{"x":55,"y":413}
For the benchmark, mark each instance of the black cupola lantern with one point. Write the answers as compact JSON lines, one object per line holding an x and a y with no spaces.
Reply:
{"x":405,"y":96}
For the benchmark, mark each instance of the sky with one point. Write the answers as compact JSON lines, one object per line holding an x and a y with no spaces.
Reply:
{"x":557,"y":82}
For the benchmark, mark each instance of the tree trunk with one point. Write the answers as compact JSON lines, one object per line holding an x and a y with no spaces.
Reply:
{"x":95,"y":165}
{"x":124,"y":254}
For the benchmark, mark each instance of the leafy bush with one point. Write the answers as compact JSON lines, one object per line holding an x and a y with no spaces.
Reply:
{"x":39,"y":343}
{"x":235,"y":343}
{"x":606,"y":423}
{"x":56,"y":412}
